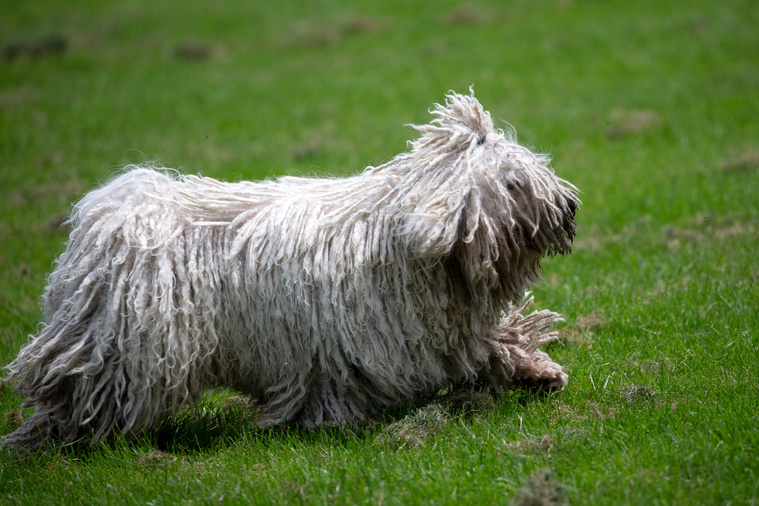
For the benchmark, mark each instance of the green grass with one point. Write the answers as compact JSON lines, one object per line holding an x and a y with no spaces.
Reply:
{"x":650,"y":108}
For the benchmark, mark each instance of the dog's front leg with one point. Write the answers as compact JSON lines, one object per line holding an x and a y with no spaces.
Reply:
{"x":515,"y":358}
{"x":536,"y":370}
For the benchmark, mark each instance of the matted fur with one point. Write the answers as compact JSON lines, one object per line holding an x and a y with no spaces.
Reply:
{"x":323,"y":299}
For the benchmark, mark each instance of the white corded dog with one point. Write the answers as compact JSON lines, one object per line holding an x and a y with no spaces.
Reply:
{"x":322,"y":299}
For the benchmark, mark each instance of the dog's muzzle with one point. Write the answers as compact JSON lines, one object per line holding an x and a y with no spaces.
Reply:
{"x":572,"y":207}
{"x":568,"y":222}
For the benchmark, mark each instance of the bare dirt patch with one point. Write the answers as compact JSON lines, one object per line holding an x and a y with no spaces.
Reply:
{"x":13,"y":419}
{"x":580,"y":331}
{"x":465,"y":15}
{"x":193,"y":50}
{"x":155,"y":459}
{"x":742,"y":163}
{"x":42,"y":47}
{"x":535,"y":446}
{"x":639,"y":394}
{"x":14,"y":98}
{"x":623,"y":122}
{"x":709,"y":228}
{"x":240,"y":401}
{"x":356,"y":25}
{"x":541,"y":489}
{"x":701,"y":228}
{"x":465,"y":402}
{"x":319,"y":34}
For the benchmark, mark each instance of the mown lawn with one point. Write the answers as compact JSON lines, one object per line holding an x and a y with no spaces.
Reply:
{"x":650,"y":108}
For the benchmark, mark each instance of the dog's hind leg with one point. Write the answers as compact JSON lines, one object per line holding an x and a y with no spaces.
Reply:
{"x":35,"y":432}
{"x":313,"y":402}
{"x":283,"y":402}
{"x":330,"y":403}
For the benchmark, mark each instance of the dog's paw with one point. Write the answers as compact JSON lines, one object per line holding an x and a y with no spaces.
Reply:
{"x":554,"y":383}
{"x":547,"y":379}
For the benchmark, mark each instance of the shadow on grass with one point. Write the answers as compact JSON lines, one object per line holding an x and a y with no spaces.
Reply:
{"x":214,"y":428}
{"x":210,"y":428}
{"x":203,"y":429}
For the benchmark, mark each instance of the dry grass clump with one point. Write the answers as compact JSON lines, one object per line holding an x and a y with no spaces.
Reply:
{"x":541,"y":489}
{"x":637,"y":394}
{"x":414,"y":428}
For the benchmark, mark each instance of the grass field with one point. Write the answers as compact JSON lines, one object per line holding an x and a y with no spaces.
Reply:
{"x":651,"y":108}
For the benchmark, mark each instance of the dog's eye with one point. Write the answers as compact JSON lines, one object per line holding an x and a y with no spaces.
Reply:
{"x":511,"y":187}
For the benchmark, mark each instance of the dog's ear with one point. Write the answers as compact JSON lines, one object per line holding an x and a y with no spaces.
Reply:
{"x":434,"y":224}
{"x":456,"y":223}
{"x":478,"y":246}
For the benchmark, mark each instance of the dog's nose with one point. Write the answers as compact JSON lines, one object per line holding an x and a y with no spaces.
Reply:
{"x":572,"y":206}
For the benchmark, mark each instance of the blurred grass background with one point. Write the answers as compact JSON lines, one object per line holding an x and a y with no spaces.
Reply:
{"x":650,"y":108}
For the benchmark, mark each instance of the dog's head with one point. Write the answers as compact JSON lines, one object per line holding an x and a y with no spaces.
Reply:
{"x":472,"y":194}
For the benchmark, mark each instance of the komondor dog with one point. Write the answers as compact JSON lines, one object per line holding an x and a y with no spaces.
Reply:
{"x":324,"y":300}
